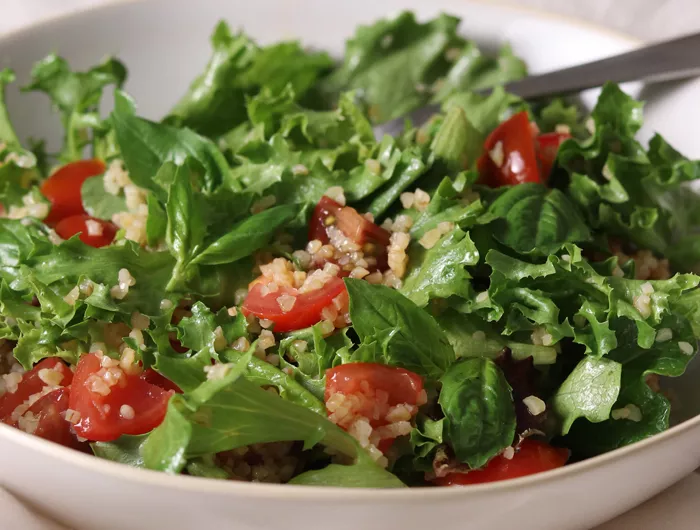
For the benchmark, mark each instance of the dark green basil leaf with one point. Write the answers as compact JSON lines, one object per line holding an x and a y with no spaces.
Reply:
{"x":185,"y":230}
{"x":146,"y":146}
{"x":247,"y":236}
{"x":409,"y":337}
{"x":532,"y":219}
{"x":156,"y":222}
{"x":479,"y":411}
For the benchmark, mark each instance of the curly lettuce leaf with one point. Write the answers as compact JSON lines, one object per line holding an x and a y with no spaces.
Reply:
{"x":423,"y":60}
{"x":639,"y":411}
{"x":215,"y":102}
{"x":440,"y":272}
{"x":76,"y":96}
{"x":642,"y":196}
{"x":566,"y":289}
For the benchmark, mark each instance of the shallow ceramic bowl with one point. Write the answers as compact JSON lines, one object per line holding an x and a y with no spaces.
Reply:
{"x":164,"y":45}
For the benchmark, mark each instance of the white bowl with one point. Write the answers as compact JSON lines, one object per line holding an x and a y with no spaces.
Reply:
{"x":164,"y":44}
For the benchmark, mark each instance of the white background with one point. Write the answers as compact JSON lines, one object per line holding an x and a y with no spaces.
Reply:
{"x":645,"y":19}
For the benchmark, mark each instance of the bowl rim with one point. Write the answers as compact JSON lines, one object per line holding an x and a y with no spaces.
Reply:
{"x":118,"y":471}
{"x":147,"y":477}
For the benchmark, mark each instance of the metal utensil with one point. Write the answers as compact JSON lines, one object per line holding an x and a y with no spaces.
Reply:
{"x":674,"y":59}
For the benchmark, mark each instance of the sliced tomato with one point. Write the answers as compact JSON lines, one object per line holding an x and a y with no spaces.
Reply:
{"x":531,"y":457}
{"x":62,"y":188}
{"x":305,"y":312}
{"x":372,"y":238}
{"x":77,"y":224}
{"x":31,"y":384}
{"x":367,"y":381}
{"x":49,"y":411}
{"x":547,"y":147}
{"x":157,"y":379}
{"x":102,"y":417}
{"x":512,"y":146}
{"x":401,"y":385}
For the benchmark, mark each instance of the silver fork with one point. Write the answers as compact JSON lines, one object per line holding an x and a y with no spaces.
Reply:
{"x":674,"y":59}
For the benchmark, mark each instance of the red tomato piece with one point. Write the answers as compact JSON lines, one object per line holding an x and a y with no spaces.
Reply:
{"x":305,"y":312}
{"x":31,"y":384}
{"x":401,"y":385}
{"x":131,"y":406}
{"x":325,"y":208}
{"x":77,"y":224}
{"x":376,"y":389}
{"x":49,"y":411}
{"x":62,"y":188}
{"x":547,"y":148}
{"x":372,"y":238}
{"x":509,"y":156}
{"x":157,"y":379}
{"x":177,"y":345}
{"x":531,"y":457}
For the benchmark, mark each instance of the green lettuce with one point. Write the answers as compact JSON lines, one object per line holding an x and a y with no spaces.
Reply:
{"x":76,"y":96}
{"x":423,"y":60}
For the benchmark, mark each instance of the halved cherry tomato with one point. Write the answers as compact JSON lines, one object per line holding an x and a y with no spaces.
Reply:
{"x":305,"y":312}
{"x":372,"y":238}
{"x":512,"y":145}
{"x":402,"y":386}
{"x":63,"y":188}
{"x":531,"y":457}
{"x":31,"y":384}
{"x":76,"y":224}
{"x":157,"y":379}
{"x":51,"y":423}
{"x":547,"y":147}
{"x":369,"y":379}
{"x":102,"y":417}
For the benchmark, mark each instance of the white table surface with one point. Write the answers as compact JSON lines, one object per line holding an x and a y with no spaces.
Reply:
{"x":646,"y":19}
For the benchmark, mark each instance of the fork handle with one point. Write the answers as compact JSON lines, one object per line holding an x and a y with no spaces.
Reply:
{"x":674,"y":59}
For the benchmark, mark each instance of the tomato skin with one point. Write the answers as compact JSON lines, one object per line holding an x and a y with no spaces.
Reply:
{"x":307,"y":308}
{"x":317,"y":226}
{"x":531,"y":457}
{"x":519,"y":159}
{"x":378,"y":387}
{"x":547,"y":147}
{"x":76,"y":224}
{"x":100,"y":417}
{"x":52,"y":425}
{"x":62,"y":188}
{"x":153,"y":377}
{"x":372,"y":238}
{"x":401,"y":385}
{"x":29,"y":385}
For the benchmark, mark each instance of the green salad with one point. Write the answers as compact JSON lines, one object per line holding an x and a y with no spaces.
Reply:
{"x":255,"y":288}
